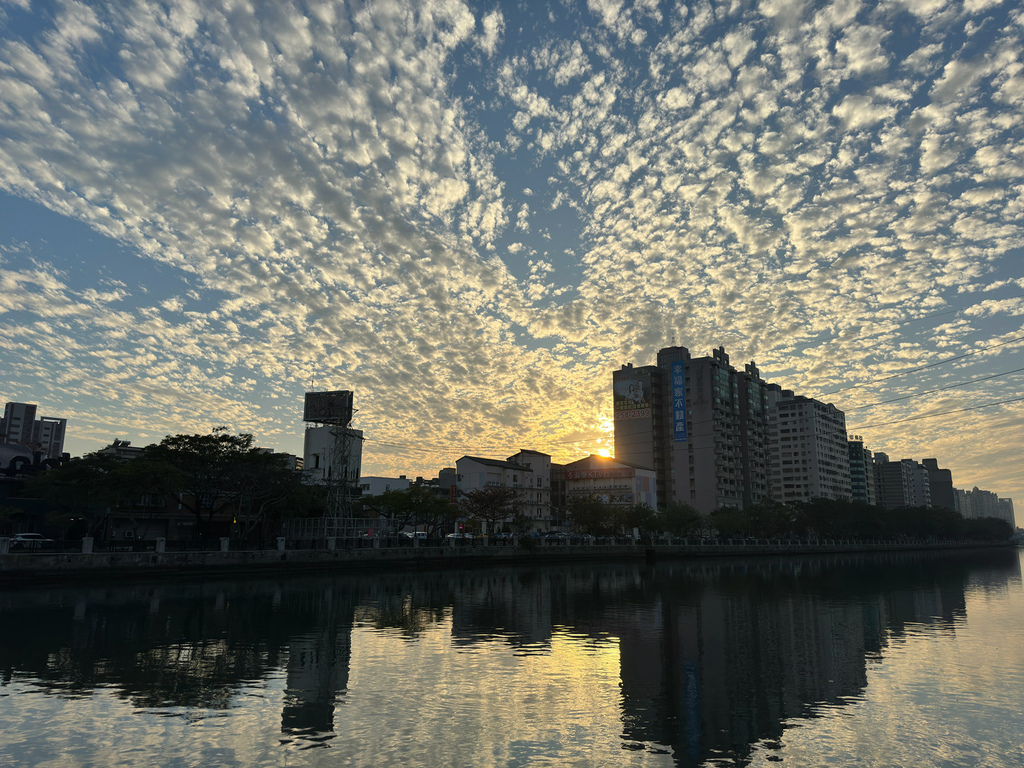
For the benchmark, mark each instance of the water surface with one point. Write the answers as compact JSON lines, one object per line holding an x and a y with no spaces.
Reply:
{"x":903,"y":660}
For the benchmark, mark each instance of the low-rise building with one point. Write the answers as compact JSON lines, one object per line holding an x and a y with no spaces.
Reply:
{"x":527,"y":471}
{"x":375,"y":486}
{"x":614,"y":482}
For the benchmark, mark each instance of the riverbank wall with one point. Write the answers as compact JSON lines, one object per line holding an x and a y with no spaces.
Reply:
{"x":64,"y":567}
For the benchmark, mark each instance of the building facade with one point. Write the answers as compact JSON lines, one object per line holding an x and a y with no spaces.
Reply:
{"x":901,"y":483}
{"x":529,"y":472}
{"x":862,"y":472}
{"x":21,"y":426}
{"x":1006,"y":511}
{"x":940,"y":484}
{"x":331,"y":452}
{"x":810,"y":454}
{"x":375,"y":486}
{"x":612,"y":481}
{"x":699,"y":424}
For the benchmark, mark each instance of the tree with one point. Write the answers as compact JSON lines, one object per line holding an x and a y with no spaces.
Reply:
{"x":769,"y":518}
{"x":80,"y":490}
{"x":415,"y":506}
{"x":729,"y":521}
{"x":492,"y":505}
{"x":590,"y":515}
{"x":680,"y":519}
{"x":211,"y":470}
{"x":638,"y":516}
{"x":267,"y":487}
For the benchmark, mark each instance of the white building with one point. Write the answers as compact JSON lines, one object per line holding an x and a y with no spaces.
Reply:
{"x":614,"y":482}
{"x":121,"y":449}
{"x":324,"y":454}
{"x":375,"y":486}
{"x":527,"y":471}
{"x":808,"y":448}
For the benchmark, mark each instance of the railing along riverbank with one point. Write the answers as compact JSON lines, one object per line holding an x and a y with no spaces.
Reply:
{"x":188,"y":559}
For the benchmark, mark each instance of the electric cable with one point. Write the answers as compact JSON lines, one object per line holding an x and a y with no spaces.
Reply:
{"x":939,"y":389}
{"x":936,"y":415}
{"x":925,"y":367}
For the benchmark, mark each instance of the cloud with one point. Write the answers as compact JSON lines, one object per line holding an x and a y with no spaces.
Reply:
{"x":459,"y":212}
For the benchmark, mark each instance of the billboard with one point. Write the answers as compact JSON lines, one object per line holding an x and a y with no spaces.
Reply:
{"x":633,"y":396}
{"x":598,"y":474}
{"x":679,"y":401}
{"x":328,"y":407}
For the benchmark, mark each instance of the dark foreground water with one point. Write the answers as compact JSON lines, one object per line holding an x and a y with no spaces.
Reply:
{"x":900,"y":660}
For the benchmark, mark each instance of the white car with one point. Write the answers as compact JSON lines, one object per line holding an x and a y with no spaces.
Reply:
{"x":31,"y":541}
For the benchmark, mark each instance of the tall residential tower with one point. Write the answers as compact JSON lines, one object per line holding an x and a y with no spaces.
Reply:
{"x":699,"y":424}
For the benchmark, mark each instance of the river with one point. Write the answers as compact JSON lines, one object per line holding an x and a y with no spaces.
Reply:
{"x":908,"y":659}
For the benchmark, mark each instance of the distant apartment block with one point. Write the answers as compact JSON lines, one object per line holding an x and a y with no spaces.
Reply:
{"x":1006,"y":511}
{"x":983,"y":503}
{"x":940,"y":485}
{"x":862,"y":472}
{"x":978,"y":503}
{"x":21,"y":426}
{"x":122,"y":450}
{"x":810,"y":454}
{"x":901,"y":483}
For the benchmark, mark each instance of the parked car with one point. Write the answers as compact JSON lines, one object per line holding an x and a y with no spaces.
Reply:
{"x":460,"y":536}
{"x":31,"y":541}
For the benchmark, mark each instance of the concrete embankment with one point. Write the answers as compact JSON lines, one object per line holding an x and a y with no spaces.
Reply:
{"x":65,"y":567}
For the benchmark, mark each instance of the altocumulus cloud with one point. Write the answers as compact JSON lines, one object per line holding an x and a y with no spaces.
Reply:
{"x":470,"y":214}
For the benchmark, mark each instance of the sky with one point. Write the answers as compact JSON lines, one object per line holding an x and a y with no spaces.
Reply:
{"x":470,"y":214}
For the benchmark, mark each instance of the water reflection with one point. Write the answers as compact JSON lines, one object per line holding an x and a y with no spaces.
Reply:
{"x":712,"y":660}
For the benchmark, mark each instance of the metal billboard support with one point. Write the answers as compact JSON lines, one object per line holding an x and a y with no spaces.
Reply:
{"x":334,"y":410}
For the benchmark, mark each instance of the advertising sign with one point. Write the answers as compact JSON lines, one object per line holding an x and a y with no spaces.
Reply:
{"x":679,"y":401}
{"x":633,"y":397}
{"x":598,"y":474}
{"x":328,"y":407}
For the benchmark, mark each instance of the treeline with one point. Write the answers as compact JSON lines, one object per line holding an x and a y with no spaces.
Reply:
{"x":219,"y":478}
{"x":818,"y":518}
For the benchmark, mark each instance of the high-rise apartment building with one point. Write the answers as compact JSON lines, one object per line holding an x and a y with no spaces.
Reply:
{"x":21,"y":426}
{"x":940,"y":484}
{"x":983,"y":503}
{"x":1006,"y":511}
{"x":810,"y":456}
{"x":699,"y":424}
{"x":901,"y":483}
{"x":862,"y":472}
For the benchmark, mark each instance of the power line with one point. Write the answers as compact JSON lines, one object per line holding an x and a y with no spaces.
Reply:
{"x":925,"y":367}
{"x":939,"y":389}
{"x":935,"y":415}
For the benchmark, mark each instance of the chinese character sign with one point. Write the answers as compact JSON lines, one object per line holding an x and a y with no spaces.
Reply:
{"x":679,"y":401}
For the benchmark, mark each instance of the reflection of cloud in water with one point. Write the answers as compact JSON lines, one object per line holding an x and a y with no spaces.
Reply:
{"x":578,"y":664}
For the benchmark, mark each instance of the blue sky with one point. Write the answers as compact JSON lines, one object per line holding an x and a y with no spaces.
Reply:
{"x":470,"y":214}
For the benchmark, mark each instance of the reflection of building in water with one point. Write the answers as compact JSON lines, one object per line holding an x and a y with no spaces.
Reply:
{"x":713,"y":667}
{"x":318,"y":665}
